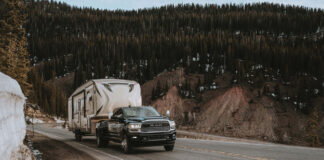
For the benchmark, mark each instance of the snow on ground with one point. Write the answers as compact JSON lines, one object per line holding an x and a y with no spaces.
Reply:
{"x":34,"y":120}
{"x":12,"y":122}
{"x":58,"y":120}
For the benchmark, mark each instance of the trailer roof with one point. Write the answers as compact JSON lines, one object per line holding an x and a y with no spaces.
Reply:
{"x":101,"y":81}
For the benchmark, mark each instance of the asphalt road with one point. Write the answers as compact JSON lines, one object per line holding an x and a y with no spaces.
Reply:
{"x":188,"y":149}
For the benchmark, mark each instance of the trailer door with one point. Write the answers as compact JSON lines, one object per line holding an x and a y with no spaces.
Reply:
{"x":79,"y":112}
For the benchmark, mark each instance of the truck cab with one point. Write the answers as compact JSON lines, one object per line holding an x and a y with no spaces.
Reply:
{"x":137,"y":126}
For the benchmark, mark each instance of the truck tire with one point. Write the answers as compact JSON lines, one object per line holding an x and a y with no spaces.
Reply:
{"x":126,"y":145}
{"x":78,"y":136}
{"x":169,"y":147}
{"x":101,"y":142}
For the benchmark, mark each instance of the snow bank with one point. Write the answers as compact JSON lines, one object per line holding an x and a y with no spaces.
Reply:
{"x":58,"y":120}
{"x":12,"y":123}
{"x":36,"y":120}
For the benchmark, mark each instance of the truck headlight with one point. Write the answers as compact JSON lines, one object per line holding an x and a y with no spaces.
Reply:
{"x":134,"y":126}
{"x":172,"y":125}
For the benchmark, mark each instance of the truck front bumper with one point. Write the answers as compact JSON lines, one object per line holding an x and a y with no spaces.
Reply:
{"x":152,"y":139}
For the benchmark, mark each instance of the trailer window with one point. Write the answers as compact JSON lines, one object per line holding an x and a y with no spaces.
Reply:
{"x":118,"y":114}
{"x":79,"y":105}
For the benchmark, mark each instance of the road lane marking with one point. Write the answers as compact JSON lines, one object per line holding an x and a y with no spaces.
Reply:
{"x":234,"y":155}
{"x":267,"y":144}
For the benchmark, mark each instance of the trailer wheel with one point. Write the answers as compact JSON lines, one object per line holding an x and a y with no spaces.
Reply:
{"x":78,"y":136}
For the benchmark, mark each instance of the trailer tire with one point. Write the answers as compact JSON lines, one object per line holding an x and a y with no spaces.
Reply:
{"x":78,"y":136}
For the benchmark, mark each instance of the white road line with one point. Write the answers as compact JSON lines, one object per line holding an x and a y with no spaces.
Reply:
{"x":255,"y":144}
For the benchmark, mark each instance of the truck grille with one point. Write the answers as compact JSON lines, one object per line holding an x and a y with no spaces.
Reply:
{"x":155,"y":126}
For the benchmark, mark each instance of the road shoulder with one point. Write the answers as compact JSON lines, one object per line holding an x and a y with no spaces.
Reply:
{"x":54,"y":149}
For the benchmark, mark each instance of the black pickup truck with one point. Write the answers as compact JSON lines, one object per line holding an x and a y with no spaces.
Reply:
{"x":137,"y":126}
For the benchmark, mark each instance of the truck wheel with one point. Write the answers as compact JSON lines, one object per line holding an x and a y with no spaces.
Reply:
{"x":99,"y":142}
{"x":169,"y":147}
{"x":126,"y":145}
{"x":78,"y":136}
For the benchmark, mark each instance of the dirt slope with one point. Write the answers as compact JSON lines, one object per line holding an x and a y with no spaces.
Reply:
{"x":231,"y":114}
{"x":233,"y":110}
{"x":169,"y":78}
{"x":175,"y":104}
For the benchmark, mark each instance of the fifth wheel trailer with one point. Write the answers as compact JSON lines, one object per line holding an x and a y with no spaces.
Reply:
{"x":96,"y":100}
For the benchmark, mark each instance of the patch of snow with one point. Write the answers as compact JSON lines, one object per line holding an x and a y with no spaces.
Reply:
{"x":301,"y":105}
{"x":12,"y":122}
{"x":285,"y":83}
{"x":207,"y":68}
{"x":273,"y":95}
{"x":258,"y":66}
{"x":36,"y":120}
{"x":286,"y":98}
{"x":316,"y":91}
{"x":35,"y":152}
{"x":273,"y":78}
{"x":201,"y":88}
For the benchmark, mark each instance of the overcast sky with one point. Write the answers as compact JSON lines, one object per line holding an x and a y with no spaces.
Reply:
{"x":137,"y":4}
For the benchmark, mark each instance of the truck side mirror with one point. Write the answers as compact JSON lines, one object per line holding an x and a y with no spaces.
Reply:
{"x":110,"y":114}
{"x":167,"y":113}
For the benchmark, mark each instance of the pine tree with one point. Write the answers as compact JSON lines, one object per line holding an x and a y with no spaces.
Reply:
{"x":158,"y":89}
{"x":153,"y":94}
{"x":277,"y":92}
{"x":7,"y":41}
{"x":13,"y":42}
{"x":198,"y":86}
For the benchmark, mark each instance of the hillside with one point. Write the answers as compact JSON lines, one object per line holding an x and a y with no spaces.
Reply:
{"x":239,"y":111}
{"x":138,"y":45}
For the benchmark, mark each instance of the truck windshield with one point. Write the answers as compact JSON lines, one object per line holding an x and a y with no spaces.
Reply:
{"x":140,"y":112}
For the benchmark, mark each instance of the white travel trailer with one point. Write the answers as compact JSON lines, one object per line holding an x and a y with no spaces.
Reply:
{"x":96,"y":100}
